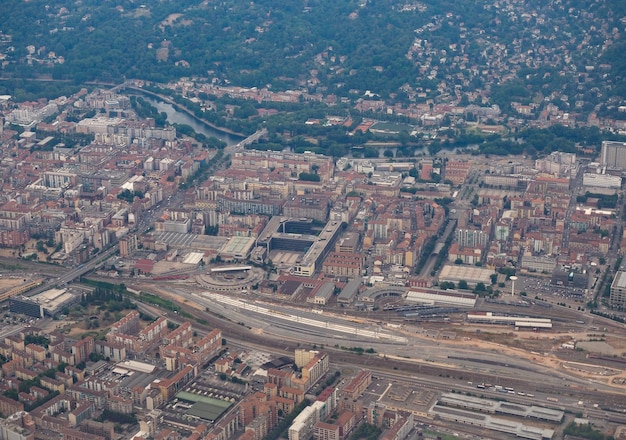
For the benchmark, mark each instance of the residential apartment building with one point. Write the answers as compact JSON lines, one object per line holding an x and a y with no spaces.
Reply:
{"x":343,"y":264}
{"x":128,"y":245}
{"x":357,"y":385}
{"x":315,"y":207}
{"x":82,"y":349}
{"x":471,"y":238}
{"x":613,"y":155}
{"x":617,"y":297}
{"x":315,"y":368}
{"x":337,"y":430}
{"x":348,"y":244}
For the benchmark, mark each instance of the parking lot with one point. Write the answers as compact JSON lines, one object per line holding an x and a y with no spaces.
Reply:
{"x":544,"y":288}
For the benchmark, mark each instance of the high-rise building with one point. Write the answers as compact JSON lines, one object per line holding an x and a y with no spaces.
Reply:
{"x":618,"y":291}
{"x":128,"y":245}
{"x":471,"y":238}
{"x":82,"y":349}
{"x":613,"y":155}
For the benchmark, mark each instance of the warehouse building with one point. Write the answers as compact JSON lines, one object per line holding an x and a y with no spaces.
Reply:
{"x":470,"y":274}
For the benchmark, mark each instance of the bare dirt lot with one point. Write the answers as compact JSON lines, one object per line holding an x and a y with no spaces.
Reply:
{"x":9,"y":283}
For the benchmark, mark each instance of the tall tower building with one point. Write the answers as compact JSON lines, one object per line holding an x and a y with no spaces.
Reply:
{"x":613,"y":155}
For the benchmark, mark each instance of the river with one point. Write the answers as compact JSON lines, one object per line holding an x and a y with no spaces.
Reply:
{"x":177,"y":117}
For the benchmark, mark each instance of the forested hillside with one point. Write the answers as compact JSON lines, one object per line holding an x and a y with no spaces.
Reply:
{"x":570,"y":51}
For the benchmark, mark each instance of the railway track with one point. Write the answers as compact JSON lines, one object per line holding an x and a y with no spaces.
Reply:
{"x":241,"y":336}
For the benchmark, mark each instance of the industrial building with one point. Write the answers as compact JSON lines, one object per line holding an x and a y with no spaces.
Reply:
{"x":48,"y":303}
{"x":592,"y":180}
{"x":287,"y":233}
{"x":26,"y":306}
{"x":349,"y":292}
{"x":477,"y":412}
{"x":441,"y":297}
{"x":297,"y":235}
{"x":21,"y":289}
{"x":501,"y":407}
{"x":517,"y":321}
{"x":538,"y":263}
{"x":323,"y":294}
{"x":237,"y":248}
{"x":312,"y":260}
{"x":490,"y":422}
{"x":470,"y":274}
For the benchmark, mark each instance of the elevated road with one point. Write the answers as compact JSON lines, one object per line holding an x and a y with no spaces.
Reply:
{"x":73,"y":274}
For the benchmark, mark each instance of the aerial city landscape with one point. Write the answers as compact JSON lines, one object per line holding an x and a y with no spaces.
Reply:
{"x":307,"y":219}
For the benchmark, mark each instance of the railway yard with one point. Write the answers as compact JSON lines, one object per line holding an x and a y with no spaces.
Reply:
{"x":504,"y":368}
{"x":432,"y":352}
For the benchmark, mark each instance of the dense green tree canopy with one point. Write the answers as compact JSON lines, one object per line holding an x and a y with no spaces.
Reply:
{"x":388,"y":47}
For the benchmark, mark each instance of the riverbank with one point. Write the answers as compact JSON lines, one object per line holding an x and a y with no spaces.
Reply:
{"x":185,"y":110}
